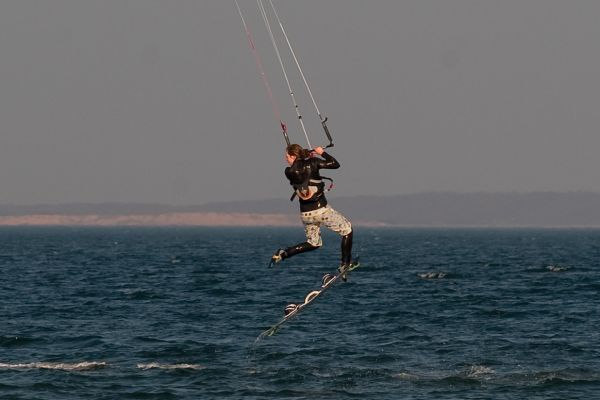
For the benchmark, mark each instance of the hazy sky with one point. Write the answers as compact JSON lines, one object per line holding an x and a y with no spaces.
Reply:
{"x":160,"y":101}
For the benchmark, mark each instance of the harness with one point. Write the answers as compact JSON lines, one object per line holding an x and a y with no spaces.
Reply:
{"x":318,"y":183}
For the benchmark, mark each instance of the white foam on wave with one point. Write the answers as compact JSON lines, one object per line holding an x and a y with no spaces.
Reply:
{"x":432,"y":275}
{"x":156,"y":365}
{"x":407,"y":376}
{"x":80,"y":366}
{"x":557,"y":268}
{"x":479,"y":371}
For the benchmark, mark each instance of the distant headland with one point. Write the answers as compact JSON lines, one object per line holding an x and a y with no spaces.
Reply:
{"x":535,"y":209}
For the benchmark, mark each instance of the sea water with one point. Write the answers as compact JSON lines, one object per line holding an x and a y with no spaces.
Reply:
{"x":173,"y":313}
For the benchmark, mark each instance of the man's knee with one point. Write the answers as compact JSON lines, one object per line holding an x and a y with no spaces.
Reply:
{"x":346,"y":229}
{"x":316,"y":243}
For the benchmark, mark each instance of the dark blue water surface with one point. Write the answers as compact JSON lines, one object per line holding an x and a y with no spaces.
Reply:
{"x":172,"y":313}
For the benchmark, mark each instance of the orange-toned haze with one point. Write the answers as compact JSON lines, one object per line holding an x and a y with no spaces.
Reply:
{"x":183,"y":219}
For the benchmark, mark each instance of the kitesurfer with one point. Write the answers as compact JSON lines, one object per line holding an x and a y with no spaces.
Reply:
{"x":303,"y":174}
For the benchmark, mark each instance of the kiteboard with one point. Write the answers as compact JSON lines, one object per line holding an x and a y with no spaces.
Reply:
{"x":293,"y":310}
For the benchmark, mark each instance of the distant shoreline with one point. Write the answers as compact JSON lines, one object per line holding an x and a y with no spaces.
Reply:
{"x":164,"y":219}
{"x":213,"y":219}
{"x":434,"y":210}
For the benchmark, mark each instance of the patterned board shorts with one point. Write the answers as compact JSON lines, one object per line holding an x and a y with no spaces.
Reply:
{"x":327,"y":217}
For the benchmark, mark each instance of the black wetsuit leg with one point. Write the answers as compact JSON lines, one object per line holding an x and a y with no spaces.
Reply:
{"x":347,"y":248}
{"x":297,"y":249}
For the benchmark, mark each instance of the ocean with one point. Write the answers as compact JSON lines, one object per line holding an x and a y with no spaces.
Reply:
{"x":173,"y":313}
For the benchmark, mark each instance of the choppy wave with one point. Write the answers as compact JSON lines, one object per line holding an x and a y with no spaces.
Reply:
{"x":155,"y":365}
{"x":448,"y":314}
{"x":80,"y":366}
{"x":557,"y":268}
{"x":433,"y":275}
{"x":15,"y":341}
{"x":473,"y":372}
{"x":485,"y":374}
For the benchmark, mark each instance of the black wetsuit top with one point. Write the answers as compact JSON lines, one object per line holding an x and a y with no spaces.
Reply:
{"x":302,"y":172}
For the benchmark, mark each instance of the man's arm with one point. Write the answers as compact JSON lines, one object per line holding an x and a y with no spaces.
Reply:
{"x":329,"y":161}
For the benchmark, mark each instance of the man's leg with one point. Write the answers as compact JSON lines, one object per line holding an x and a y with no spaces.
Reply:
{"x":335,"y":221}
{"x":313,"y":242}
{"x":347,"y":248}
